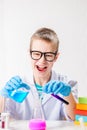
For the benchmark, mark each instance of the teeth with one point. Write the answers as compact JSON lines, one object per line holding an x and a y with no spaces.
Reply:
{"x":41,"y":67}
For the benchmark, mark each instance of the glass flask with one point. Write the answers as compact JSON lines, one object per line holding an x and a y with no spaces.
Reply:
{"x":38,"y":121}
{"x":37,"y":108}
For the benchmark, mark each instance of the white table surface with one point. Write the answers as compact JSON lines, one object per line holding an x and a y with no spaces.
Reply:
{"x":51,"y":125}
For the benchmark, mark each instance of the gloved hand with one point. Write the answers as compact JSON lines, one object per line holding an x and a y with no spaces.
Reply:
{"x":12,"y":89}
{"x":55,"y":87}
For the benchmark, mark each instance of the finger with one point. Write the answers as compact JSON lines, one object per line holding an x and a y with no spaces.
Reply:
{"x":51,"y":86}
{"x":48,"y":87}
{"x":16,"y":80}
{"x":45,"y":88}
{"x":58,"y":88}
{"x":10,"y":85}
{"x":55,"y":86}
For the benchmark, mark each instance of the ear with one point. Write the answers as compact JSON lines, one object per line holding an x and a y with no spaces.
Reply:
{"x":57,"y":56}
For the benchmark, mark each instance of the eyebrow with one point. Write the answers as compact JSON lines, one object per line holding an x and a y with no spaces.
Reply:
{"x":53,"y":52}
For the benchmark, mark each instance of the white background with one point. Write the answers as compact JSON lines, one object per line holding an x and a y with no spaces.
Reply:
{"x":20,"y":18}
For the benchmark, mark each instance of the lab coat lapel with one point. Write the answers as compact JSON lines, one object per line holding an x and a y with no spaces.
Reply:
{"x":46,"y":98}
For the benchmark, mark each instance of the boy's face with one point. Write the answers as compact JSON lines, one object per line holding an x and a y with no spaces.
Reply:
{"x":42,"y":67}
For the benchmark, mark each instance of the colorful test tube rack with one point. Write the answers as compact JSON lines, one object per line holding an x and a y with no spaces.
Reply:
{"x":81,"y":111}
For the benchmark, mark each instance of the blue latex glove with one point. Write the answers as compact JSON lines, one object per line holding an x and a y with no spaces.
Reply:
{"x":15,"y":89}
{"x":55,"y":87}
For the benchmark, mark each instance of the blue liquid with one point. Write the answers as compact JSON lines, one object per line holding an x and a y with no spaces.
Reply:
{"x":19,"y":96}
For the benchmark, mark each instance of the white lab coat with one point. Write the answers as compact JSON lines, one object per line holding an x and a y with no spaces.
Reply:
{"x":53,"y":109}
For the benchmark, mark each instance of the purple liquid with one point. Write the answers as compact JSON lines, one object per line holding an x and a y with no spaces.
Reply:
{"x":61,"y":99}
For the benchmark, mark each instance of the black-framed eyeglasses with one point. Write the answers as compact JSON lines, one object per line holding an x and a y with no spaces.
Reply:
{"x":49,"y":56}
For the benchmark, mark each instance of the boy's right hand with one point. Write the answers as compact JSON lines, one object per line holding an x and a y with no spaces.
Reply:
{"x":13,"y":84}
{"x":56,"y":87}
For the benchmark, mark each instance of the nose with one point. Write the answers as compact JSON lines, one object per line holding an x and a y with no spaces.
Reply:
{"x":42,"y":58}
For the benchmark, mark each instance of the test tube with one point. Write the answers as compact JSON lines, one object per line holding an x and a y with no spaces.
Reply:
{"x":5,"y":120}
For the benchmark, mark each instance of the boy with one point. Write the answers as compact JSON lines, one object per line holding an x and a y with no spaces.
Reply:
{"x":43,"y":51}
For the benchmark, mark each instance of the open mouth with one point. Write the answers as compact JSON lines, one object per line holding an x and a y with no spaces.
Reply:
{"x":42,"y":69}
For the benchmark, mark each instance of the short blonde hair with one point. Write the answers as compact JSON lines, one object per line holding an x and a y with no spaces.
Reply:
{"x":46,"y":34}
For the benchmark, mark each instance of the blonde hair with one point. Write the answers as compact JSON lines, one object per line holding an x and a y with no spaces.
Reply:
{"x":46,"y":34}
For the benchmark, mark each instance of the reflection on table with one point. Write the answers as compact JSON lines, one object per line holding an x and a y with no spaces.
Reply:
{"x":51,"y":125}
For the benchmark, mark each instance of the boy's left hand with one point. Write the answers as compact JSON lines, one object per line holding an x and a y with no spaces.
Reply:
{"x":55,"y":87}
